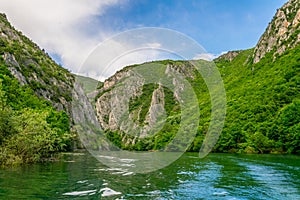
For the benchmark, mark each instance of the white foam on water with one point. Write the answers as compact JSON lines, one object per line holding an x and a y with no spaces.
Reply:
{"x":127,"y":160}
{"x":128,"y":173}
{"x":84,"y":181}
{"x":101,"y":169}
{"x":180,"y":181}
{"x":224,"y":193}
{"x":185,"y":172}
{"x":114,"y":169}
{"x":118,"y":172}
{"x":79,"y":193}
{"x":107,"y":157}
{"x":127,"y":165}
{"x":108,"y":192}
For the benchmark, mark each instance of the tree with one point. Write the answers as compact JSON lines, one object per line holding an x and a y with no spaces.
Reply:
{"x":7,"y":125}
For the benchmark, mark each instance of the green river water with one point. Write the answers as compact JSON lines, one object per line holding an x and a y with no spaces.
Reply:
{"x":218,"y":176}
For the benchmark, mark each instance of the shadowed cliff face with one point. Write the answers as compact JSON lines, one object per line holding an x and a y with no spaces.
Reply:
{"x":33,"y":67}
{"x":282,"y":33}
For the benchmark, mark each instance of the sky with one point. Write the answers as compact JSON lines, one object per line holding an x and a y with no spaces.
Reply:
{"x":69,"y":30}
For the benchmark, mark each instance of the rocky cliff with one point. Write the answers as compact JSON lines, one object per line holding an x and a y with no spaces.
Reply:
{"x":229,"y":56}
{"x":141,"y":108}
{"x":36,"y":115}
{"x":33,"y":67}
{"x":261,"y":103}
{"x":282,"y":33}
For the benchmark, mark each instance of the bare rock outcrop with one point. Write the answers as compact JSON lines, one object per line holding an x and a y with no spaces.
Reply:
{"x":32,"y":66}
{"x":282,"y":33}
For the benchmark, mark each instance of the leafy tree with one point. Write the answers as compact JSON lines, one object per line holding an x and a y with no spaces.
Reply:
{"x":7,"y":126}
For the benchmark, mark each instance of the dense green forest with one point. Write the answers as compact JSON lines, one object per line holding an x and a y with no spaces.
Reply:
{"x":263,"y":106}
{"x":30,"y":129}
{"x":32,"y":90}
{"x":262,"y":89}
{"x":263,"y":100}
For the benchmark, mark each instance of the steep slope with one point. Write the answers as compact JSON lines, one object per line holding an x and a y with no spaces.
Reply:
{"x":153,"y":108}
{"x":32,"y":66}
{"x":262,"y":104}
{"x":283,"y":32}
{"x":263,"y":97}
{"x":35,"y":101}
{"x":89,"y":85}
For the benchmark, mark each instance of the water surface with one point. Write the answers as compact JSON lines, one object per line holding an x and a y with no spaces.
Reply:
{"x":218,"y":176}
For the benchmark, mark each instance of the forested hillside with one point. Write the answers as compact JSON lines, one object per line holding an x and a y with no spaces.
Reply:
{"x":262,"y":88}
{"x":263,"y":103}
{"x":35,"y":95}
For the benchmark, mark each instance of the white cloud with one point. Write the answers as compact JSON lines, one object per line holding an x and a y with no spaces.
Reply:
{"x":138,"y":46}
{"x":222,"y":53}
{"x":63,"y":28}
{"x":59,"y":26}
{"x":208,"y":56}
{"x":205,"y":56}
{"x":112,"y":55}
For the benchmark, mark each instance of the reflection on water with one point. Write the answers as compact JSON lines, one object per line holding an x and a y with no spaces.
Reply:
{"x":218,"y":176}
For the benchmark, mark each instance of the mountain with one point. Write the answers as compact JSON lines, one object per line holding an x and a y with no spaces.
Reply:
{"x":153,"y":106}
{"x":283,"y":32}
{"x":33,"y":67}
{"x":35,"y":101}
{"x":262,"y":88}
{"x":88,"y":84}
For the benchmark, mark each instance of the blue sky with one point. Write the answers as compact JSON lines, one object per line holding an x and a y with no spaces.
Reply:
{"x":218,"y":25}
{"x":70,"y":29}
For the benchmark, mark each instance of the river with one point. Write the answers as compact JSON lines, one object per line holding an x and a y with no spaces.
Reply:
{"x":218,"y":176}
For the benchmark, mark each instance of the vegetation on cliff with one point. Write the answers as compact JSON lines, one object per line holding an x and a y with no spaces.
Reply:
{"x":262,"y":87}
{"x":31,"y":130}
{"x":35,"y":95}
{"x":263,"y":102}
{"x":263,"y":96}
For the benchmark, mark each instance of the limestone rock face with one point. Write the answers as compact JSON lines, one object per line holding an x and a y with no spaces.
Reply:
{"x":33,"y":67}
{"x":229,"y":56}
{"x":121,"y":108}
{"x":282,"y":33}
